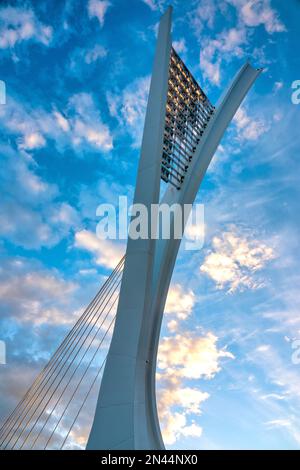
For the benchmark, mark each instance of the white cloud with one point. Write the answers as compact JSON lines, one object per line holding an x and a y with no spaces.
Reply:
{"x":232,"y":42}
{"x":64,"y":214}
{"x":62,"y":121}
{"x":173,"y":326}
{"x":155,"y":4}
{"x":15,"y":380}
{"x":180,"y":302}
{"x":258,"y":12}
{"x":30,"y":214}
{"x":27,"y":186}
{"x":33,"y":141}
{"x":82,"y":60}
{"x":151,"y":4}
{"x":193,"y":430}
{"x":249,"y":128}
{"x":30,"y":125}
{"x":203,"y":15}
{"x":278,"y":423}
{"x":24,"y":122}
{"x":34,"y":296}
{"x":176,"y":427}
{"x":180,"y":46}
{"x":79,"y":124}
{"x":273,"y":396}
{"x":86,"y":123}
{"x":227,"y":44}
{"x":234,"y":260}
{"x":263,"y":348}
{"x":130,"y":107}
{"x":191,"y":356}
{"x":20,"y":24}
{"x":284,"y":313}
{"x":284,"y":379}
{"x":94,"y":54}
{"x":290,"y":425}
{"x":97,"y":9}
{"x":87,"y":272}
{"x":106,"y":253}
{"x":104,"y":190}
{"x":185,"y":397}
{"x":278,"y":86}
{"x":251,"y":13}
{"x":35,"y":227}
{"x":277,"y":117}
{"x":180,"y":357}
{"x":278,"y":409}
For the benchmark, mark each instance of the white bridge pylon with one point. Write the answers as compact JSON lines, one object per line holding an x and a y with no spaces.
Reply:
{"x":181,"y":134}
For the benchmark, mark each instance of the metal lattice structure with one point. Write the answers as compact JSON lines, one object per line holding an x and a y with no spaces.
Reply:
{"x":188,"y":111}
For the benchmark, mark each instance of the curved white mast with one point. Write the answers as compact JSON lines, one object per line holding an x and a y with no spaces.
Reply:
{"x":126,"y":415}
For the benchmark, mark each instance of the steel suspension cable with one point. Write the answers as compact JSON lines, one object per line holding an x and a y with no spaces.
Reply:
{"x":37,"y":390}
{"x":72,"y":375}
{"x":62,"y":369}
{"x":84,"y":327}
{"x":83,"y":403}
{"x":78,"y":385}
{"x":54,"y":358}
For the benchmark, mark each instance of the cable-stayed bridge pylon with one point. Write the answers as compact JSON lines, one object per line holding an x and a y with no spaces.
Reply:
{"x":181,"y":134}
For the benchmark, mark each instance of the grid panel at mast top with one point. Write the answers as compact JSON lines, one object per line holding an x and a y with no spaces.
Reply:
{"x":188,"y":111}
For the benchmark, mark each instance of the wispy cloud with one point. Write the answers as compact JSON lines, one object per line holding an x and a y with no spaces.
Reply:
{"x":105,"y":252}
{"x":180,"y":46}
{"x":31,"y":213}
{"x":129,"y":107}
{"x":179,"y":305}
{"x":19,"y":24}
{"x":33,"y":141}
{"x":79,"y":124}
{"x":86,"y":123}
{"x":214,"y":51}
{"x":83,"y":60}
{"x":203,"y":15}
{"x":234,"y":259}
{"x":284,"y":377}
{"x":97,"y":9}
{"x":249,"y":128}
{"x":34,"y":296}
{"x":155,"y":4}
{"x":234,"y":41}
{"x":258,"y":12}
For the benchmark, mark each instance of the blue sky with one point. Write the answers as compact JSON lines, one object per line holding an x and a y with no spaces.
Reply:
{"x":77,"y":77}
